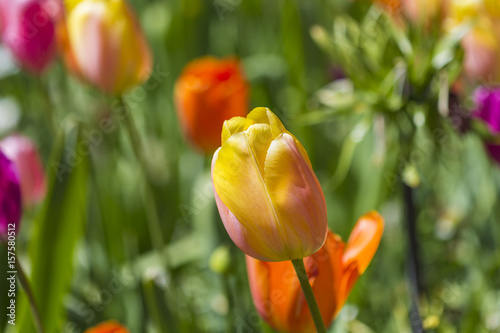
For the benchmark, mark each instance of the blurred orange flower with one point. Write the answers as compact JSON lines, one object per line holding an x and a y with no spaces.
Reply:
{"x":332,"y":272}
{"x":108,"y":327}
{"x":208,"y":92}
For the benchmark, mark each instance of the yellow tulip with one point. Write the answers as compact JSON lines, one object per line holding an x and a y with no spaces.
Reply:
{"x":106,"y":44}
{"x":268,"y":196}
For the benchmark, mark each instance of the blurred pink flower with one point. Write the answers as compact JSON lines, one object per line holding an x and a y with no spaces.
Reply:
{"x":10,"y":196}
{"x":24,"y":154}
{"x":28,"y":30}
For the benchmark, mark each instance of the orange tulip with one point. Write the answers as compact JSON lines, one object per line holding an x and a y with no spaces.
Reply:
{"x":208,"y":92}
{"x":332,"y":272}
{"x":108,"y":327}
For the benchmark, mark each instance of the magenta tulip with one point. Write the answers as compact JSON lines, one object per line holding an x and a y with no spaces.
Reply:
{"x":28,"y":30}
{"x":24,"y":154}
{"x":487,"y":110}
{"x":10,"y":197}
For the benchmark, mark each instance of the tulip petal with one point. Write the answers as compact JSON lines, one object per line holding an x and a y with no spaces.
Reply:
{"x":238,"y":180}
{"x":234,"y":125}
{"x":265,"y":116}
{"x":364,"y":240}
{"x":297,"y":197}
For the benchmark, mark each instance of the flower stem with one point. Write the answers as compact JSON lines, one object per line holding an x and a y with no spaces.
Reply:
{"x":27,"y":289}
{"x":149,"y":202}
{"x":300,"y":270}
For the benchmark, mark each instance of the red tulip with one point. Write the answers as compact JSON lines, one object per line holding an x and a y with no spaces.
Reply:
{"x":332,"y":272}
{"x":28,"y":30}
{"x":24,"y":154}
{"x":208,"y":92}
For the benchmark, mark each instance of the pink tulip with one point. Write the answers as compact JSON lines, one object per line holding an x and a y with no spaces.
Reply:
{"x":24,"y":154}
{"x":28,"y":30}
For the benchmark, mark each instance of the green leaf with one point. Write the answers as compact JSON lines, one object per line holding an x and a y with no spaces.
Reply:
{"x":57,"y":231}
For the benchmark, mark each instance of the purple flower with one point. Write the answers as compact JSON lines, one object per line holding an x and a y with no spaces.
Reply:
{"x":488,"y":107}
{"x":494,"y":151}
{"x":10,"y":196}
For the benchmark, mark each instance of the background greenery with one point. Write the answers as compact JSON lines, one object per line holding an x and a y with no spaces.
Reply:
{"x":89,"y":248}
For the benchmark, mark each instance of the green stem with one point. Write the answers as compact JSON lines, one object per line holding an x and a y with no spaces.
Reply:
{"x":300,"y":270}
{"x":27,"y":289}
{"x":149,"y":202}
{"x":230,"y":310}
{"x":49,"y":107}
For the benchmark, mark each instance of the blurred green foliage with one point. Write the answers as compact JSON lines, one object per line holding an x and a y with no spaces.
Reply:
{"x":89,"y":248}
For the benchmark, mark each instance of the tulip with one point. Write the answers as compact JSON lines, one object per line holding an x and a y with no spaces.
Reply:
{"x":268,"y":197}
{"x":487,"y":110}
{"x":482,"y":43}
{"x":10,"y":197}
{"x":392,"y":6}
{"x":24,"y":154}
{"x":106,"y":45}
{"x":332,"y":272}
{"x":28,"y":30}
{"x":487,"y":102}
{"x":107,"y":327}
{"x":208,"y":92}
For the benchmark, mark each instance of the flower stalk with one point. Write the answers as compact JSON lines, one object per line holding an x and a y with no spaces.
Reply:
{"x":300,"y":270}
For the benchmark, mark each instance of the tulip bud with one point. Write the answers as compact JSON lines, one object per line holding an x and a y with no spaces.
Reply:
{"x":107,"y":45}
{"x":332,"y":272}
{"x":10,"y":197}
{"x":108,"y":327}
{"x":24,"y":154}
{"x":268,"y":197}
{"x":208,"y":92}
{"x":28,"y":30}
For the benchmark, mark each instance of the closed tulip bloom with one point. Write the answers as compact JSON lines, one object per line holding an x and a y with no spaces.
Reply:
{"x":10,"y":196}
{"x":28,"y":30}
{"x":268,"y":197}
{"x":107,"y":45}
{"x":332,"y":272}
{"x":208,"y":92}
{"x":108,"y":327}
{"x":24,"y":154}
